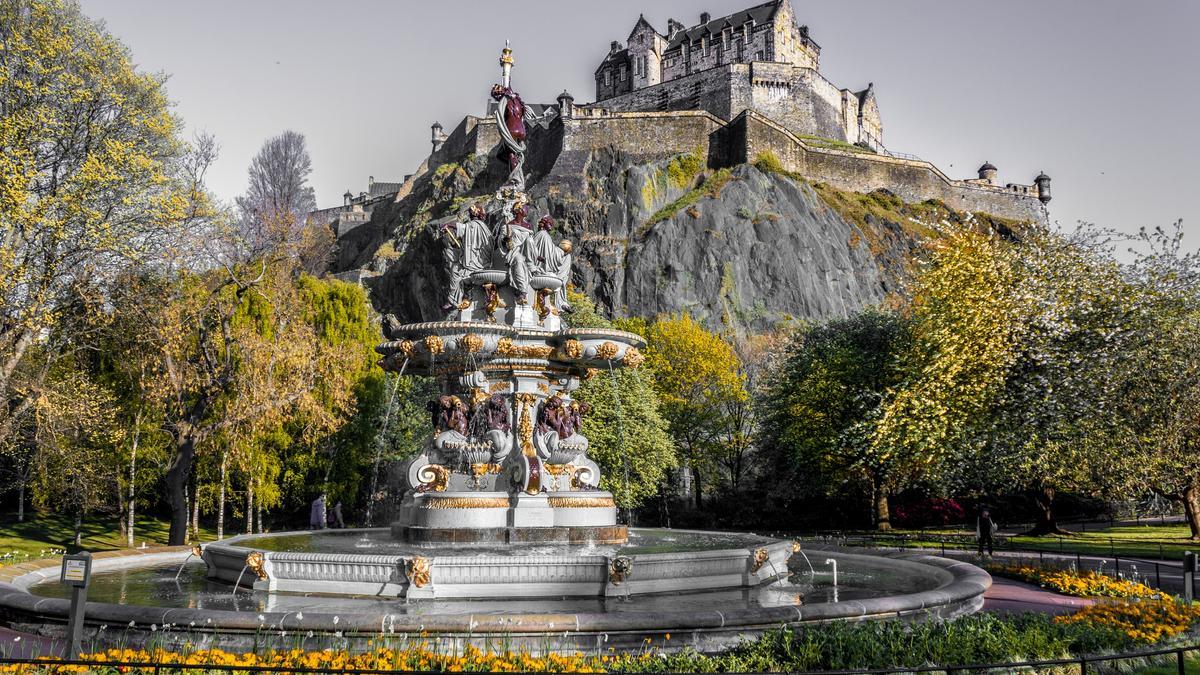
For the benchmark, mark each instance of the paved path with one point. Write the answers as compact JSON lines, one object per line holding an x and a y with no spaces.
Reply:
{"x":1007,"y":596}
{"x":23,"y":645}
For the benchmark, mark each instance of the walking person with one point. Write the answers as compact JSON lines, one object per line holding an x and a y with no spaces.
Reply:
{"x":316,"y":518}
{"x":337,"y":516}
{"x":985,"y":528}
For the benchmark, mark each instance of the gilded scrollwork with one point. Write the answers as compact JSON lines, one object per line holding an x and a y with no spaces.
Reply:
{"x":761,"y":556}
{"x":434,"y":344}
{"x":505,"y":347}
{"x":572,"y":349}
{"x":257,"y":563}
{"x":632,"y":358}
{"x":467,"y":502}
{"x":607,"y":351}
{"x":433,"y":477}
{"x":406,"y":348}
{"x":417,"y":570}
{"x":580,"y":502}
{"x":526,"y":404}
{"x":470,"y":343}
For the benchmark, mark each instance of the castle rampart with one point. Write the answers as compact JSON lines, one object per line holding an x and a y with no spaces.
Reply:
{"x":751,"y":134}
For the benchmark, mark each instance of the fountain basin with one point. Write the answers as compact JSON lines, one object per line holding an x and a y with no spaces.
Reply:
{"x":522,"y":571}
{"x":135,"y":600}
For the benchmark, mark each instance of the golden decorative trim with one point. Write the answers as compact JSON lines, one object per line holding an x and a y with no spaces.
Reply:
{"x":572,"y":349}
{"x":466,"y":502}
{"x":470,"y":343}
{"x":539,"y":303}
{"x":479,"y":396}
{"x":493,"y":300}
{"x":498,"y":387}
{"x":543,"y":387}
{"x":559,"y":469}
{"x":257,"y":564}
{"x":607,"y":351}
{"x":434,"y":344}
{"x":633,"y":358}
{"x":417,"y":570}
{"x":526,"y":403}
{"x":505,"y":347}
{"x":406,"y":348}
{"x":197,"y":551}
{"x":465,"y":304}
{"x":590,"y":373}
{"x":580,"y":502}
{"x":440,"y":475}
{"x":761,"y":556}
{"x":484,"y":468}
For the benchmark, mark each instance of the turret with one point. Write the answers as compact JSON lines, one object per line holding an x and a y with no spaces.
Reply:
{"x":987,"y":172}
{"x":705,"y":17}
{"x":566,"y":105}
{"x":347,"y":198}
{"x":1043,"y":186}
{"x":673,"y":27}
{"x":437,"y":137}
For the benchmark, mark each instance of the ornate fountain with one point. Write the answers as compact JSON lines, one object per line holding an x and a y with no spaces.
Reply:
{"x":506,"y":462}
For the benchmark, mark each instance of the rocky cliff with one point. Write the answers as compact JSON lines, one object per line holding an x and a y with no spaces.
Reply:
{"x":740,"y":248}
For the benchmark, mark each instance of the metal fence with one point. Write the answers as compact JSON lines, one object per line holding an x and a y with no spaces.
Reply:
{"x":1178,"y":657}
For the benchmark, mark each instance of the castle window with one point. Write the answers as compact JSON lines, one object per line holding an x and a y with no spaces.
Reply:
{"x":607,"y":78}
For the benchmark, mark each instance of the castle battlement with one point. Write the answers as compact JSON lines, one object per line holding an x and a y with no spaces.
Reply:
{"x":756,"y":59}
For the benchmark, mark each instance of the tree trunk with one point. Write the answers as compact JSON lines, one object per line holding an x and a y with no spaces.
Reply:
{"x":78,"y":541}
{"x":196,"y":512}
{"x":133,"y":477}
{"x":221,"y":497}
{"x":250,"y":507}
{"x":178,"y":471}
{"x":1191,"y":509}
{"x":21,"y":501}
{"x":696,"y":487}
{"x":258,"y":508}
{"x":1046,"y":523}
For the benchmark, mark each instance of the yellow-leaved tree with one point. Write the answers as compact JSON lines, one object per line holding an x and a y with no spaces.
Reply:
{"x":699,"y":381}
{"x":91,"y":174}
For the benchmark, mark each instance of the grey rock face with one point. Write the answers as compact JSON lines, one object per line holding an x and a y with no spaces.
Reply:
{"x":763,"y":248}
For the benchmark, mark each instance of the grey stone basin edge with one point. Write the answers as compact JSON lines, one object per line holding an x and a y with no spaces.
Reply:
{"x":961,"y":593}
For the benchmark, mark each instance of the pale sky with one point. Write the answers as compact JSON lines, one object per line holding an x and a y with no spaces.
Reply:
{"x":1100,"y":94}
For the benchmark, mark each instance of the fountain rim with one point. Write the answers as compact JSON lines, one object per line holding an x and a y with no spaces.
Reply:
{"x":962,"y":592}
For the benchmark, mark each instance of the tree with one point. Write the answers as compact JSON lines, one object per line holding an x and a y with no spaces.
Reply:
{"x":278,"y":199}
{"x":90,"y":174}
{"x":699,"y":383}
{"x":822,"y":408}
{"x":627,"y":436}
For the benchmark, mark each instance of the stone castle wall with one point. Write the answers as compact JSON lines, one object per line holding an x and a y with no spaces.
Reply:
{"x":751,"y":134}
{"x":563,"y":148}
{"x":800,"y":99}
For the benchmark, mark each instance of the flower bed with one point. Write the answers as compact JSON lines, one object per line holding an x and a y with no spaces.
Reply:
{"x":1146,"y":622}
{"x":1079,"y":584}
{"x":980,"y":638}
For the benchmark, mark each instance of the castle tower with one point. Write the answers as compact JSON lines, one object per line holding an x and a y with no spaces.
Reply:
{"x":566,"y":105}
{"x":987,"y":172}
{"x":646,"y":47}
{"x":436,"y":136}
{"x":1043,"y":186}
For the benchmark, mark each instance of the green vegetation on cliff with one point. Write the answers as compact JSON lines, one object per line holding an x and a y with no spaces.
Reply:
{"x":711,"y":188}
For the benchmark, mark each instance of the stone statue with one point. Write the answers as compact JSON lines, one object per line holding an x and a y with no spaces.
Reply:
{"x":496,"y":410}
{"x":449,"y":414}
{"x":511,"y":115}
{"x":576,"y":412}
{"x":468,"y":248}
{"x":555,"y":417}
{"x":510,"y":241}
{"x":544,"y":258}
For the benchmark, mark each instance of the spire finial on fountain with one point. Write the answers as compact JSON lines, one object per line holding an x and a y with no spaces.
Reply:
{"x":506,"y":62}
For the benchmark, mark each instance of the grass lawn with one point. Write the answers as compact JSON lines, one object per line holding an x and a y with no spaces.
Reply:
{"x":100,"y":533}
{"x":1143,"y":541}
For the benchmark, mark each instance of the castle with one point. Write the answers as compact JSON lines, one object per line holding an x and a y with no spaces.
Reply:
{"x":731,"y":88}
{"x":757,"y":59}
